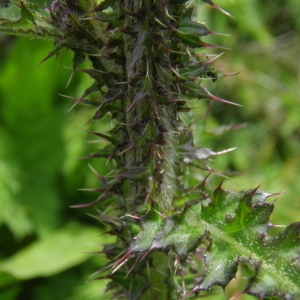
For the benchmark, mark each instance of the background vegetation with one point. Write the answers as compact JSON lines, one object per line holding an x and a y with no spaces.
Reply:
{"x":44,"y":243}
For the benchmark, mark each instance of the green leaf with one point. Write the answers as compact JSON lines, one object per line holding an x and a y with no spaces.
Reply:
{"x":55,"y":253}
{"x":190,"y":40}
{"x":26,"y":19}
{"x":232,"y":229}
{"x":189,"y":26}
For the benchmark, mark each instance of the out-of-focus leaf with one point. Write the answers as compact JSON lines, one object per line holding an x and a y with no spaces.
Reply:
{"x":12,"y":213}
{"x":33,"y":131}
{"x":10,"y":293}
{"x":55,"y":253}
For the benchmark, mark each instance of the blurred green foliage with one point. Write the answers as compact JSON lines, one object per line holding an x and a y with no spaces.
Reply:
{"x":43,"y":242}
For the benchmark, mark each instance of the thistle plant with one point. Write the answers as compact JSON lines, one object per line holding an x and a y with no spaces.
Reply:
{"x":172,"y":241}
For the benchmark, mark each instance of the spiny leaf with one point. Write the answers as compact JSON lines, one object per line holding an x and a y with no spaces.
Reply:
{"x":240,"y":238}
{"x":189,"y":26}
{"x":22,"y":19}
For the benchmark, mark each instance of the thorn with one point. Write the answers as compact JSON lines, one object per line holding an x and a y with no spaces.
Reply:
{"x":194,"y":290}
{"x":91,"y":190}
{"x":78,"y":101}
{"x":212,"y":59}
{"x":70,"y":78}
{"x":126,"y":150}
{"x":132,"y":267}
{"x":120,"y":265}
{"x":215,"y":172}
{"x":132,"y":105}
{"x":182,"y":282}
{"x":213,"y":46}
{"x":229,"y":74}
{"x":174,"y":71}
{"x":219,"y":33}
{"x":176,"y":264}
{"x":237,"y":295}
{"x":204,"y":180}
{"x":224,"y":151}
{"x":146,"y":254}
{"x":121,"y":260}
{"x":277,"y":194}
{"x":102,"y":197}
{"x":215,"y":98}
{"x":73,"y":98}
{"x":134,"y":217}
{"x":147,"y":197}
{"x":218,"y":8}
{"x":95,"y":172}
{"x":101,"y":270}
{"x":219,"y":187}
{"x":48,"y":56}
{"x":155,"y":110}
{"x":112,"y":154}
{"x":160,"y":214}
{"x":160,"y":23}
{"x":167,"y":13}
{"x":278,"y":226}
{"x":201,"y":258}
{"x":83,"y":205}
{"x":253,"y":191}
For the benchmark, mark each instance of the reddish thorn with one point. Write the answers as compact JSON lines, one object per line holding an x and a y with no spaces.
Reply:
{"x":215,"y":98}
{"x":91,"y":203}
{"x":83,"y":205}
{"x":146,"y":254}
{"x":276,"y":194}
{"x":134,"y":217}
{"x":219,"y":187}
{"x":126,"y":150}
{"x":218,"y":8}
{"x":155,"y":111}
{"x":212,"y":97}
{"x":213,"y":46}
{"x":132,"y":105}
{"x":204,"y":180}
{"x":132,"y":267}
{"x":147,"y":197}
{"x":253,"y":191}
{"x":194,"y":290}
{"x":219,"y":33}
{"x":201,"y":258}
{"x":213,"y":59}
{"x":160,"y":214}
{"x":222,"y":10}
{"x":237,"y":295}
{"x":111,"y":156}
{"x":121,"y":259}
{"x":239,"y":126}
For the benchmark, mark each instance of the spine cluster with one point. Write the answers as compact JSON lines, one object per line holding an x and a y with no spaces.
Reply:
{"x":145,"y":67}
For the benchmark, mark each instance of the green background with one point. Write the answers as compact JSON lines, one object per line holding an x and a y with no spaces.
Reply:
{"x":44,"y":244}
